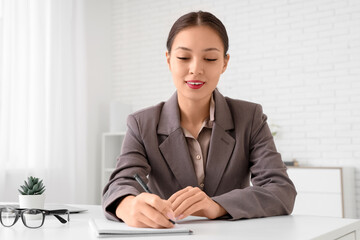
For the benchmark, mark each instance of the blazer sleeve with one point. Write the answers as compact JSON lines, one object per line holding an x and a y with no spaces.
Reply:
{"x":132,"y":160}
{"x":272,"y":193}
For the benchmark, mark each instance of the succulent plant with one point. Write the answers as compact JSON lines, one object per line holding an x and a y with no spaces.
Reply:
{"x":33,"y":186}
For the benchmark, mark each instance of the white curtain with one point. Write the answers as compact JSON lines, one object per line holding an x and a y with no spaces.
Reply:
{"x":43,"y":98}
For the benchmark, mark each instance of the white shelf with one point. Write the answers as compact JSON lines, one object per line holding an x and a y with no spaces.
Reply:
{"x":111,"y":149}
{"x":324,"y":191}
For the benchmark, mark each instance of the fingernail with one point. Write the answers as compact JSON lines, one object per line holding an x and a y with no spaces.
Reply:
{"x":171,"y":216}
{"x":179,"y":217}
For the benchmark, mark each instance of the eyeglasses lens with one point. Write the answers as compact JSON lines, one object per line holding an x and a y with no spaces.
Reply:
{"x":8,"y":216}
{"x":33,"y":218}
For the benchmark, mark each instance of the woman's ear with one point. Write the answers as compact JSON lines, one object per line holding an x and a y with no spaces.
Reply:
{"x":168,"y":59}
{"x":226,"y":61}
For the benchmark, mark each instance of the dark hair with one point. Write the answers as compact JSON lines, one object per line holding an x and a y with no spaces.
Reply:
{"x":199,"y":18}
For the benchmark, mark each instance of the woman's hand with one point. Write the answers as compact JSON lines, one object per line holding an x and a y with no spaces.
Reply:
{"x":193,"y":201}
{"x":145,"y":210}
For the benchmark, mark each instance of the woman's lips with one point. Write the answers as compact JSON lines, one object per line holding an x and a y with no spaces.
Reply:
{"x":195,"y":84}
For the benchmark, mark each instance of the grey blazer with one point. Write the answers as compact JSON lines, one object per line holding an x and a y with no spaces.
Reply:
{"x":241,"y":148}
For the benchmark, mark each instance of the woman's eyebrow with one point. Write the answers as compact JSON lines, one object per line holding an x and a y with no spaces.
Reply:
{"x":183,"y":48}
{"x":211,"y":49}
{"x":205,"y":50}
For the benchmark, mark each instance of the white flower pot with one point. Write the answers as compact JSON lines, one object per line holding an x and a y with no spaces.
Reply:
{"x":32,"y":201}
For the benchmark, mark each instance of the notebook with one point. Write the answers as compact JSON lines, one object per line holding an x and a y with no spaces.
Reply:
{"x":106,"y":228}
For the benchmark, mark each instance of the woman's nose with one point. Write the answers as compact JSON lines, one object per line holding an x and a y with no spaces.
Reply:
{"x":196,"y":67}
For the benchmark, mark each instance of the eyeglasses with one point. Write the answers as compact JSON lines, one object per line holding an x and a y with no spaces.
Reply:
{"x":32,"y":218}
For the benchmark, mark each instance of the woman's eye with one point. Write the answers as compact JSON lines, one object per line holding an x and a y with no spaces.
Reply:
{"x":211,"y":59}
{"x":183,"y":58}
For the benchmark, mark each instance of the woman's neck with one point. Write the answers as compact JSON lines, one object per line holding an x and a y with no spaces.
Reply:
{"x":193,"y":112}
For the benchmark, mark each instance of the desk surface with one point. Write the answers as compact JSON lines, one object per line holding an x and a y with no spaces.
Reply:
{"x":281,"y":227}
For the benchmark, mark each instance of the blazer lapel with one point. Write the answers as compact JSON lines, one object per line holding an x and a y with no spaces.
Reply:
{"x":221,"y":145}
{"x":175,"y":151}
{"x":174,"y":147}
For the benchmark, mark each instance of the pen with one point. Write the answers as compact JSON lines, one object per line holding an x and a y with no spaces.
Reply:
{"x":145,"y":187}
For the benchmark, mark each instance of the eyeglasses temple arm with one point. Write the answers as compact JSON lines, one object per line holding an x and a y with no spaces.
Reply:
{"x":60,"y":219}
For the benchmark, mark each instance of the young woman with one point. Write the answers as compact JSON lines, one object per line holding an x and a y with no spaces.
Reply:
{"x":198,"y":151}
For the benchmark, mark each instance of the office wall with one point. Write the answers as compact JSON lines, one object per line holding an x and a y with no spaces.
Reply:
{"x":299,"y":59}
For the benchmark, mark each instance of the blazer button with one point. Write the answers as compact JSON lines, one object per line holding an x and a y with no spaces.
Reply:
{"x":201,"y":185}
{"x":198,"y":157}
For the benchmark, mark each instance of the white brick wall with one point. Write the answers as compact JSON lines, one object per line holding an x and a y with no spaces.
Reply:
{"x":300,"y":59}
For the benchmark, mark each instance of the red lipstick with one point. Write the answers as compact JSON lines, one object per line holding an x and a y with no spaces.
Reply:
{"x":195,"y":84}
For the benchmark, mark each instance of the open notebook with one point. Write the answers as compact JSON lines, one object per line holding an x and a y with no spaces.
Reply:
{"x":106,"y":228}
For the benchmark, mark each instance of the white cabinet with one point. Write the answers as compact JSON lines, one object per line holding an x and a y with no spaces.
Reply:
{"x":324,"y":191}
{"x":111,"y":148}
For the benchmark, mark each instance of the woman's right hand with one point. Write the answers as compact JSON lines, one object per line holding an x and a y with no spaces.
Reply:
{"x":145,"y":210}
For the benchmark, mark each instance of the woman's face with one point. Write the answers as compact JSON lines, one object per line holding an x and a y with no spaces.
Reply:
{"x":196,"y":62}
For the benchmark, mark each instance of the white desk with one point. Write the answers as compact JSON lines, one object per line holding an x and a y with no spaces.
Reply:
{"x":279,"y":228}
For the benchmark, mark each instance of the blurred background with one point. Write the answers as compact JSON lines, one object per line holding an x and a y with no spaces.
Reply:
{"x":71,"y":71}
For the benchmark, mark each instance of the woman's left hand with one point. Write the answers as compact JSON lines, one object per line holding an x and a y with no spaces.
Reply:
{"x":193,"y":201}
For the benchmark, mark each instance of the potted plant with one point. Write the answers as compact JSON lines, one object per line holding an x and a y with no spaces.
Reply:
{"x":31,"y":193}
